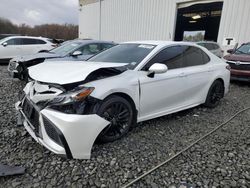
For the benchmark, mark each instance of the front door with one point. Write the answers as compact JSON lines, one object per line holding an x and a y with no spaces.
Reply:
{"x":11,"y":49}
{"x":166,"y":92}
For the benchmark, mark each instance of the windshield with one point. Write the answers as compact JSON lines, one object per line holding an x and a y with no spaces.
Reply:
{"x":66,"y":48}
{"x":244,"y":49}
{"x":132,"y":54}
{"x":1,"y":40}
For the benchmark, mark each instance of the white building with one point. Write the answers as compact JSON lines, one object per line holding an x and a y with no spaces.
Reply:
{"x":224,"y":21}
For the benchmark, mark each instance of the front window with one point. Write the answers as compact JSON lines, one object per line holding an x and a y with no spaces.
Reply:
{"x":244,"y":49}
{"x":1,"y":40}
{"x":131,"y":54}
{"x":15,"y":41}
{"x":66,"y":48}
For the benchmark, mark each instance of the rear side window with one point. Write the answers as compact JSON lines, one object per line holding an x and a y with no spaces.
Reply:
{"x":90,"y":49}
{"x":38,"y":41}
{"x":107,"y":46}
{"x":171,"y":56}
{"x":194,"y":56}
{"x":27,"y":41}
{"x":206,"y":58}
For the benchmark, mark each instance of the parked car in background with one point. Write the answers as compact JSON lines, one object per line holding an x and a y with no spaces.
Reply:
{"x":75,"y":50}
{"x":14,"y":46}
{"x":67,"y":106}
{"x":239,"y":61}
{"x":212,"y":47}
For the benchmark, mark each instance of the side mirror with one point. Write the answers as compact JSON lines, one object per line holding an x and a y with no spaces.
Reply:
{"x":5,"y":44}
{"x":76,"y":53}
{"x":230,"y":51}
{"x":158,"y":68}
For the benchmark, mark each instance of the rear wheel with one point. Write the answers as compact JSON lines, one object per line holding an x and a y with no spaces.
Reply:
{"x":119,"y":112}
{"x":215,"y":94}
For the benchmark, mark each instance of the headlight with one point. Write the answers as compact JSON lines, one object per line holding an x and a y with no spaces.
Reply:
{"x":12,"y":65}
{"x":224,"y":59}
{"x":76,"y":95}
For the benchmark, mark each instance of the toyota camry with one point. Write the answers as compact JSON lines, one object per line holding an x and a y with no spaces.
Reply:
{"x":68,"y":106}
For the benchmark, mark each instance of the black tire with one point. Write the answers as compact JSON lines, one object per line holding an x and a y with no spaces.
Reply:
{"x":23,"y":73}
{"x":215,"y":94}
{"x":119,"y":112}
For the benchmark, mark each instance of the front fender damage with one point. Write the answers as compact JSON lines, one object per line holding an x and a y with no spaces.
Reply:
{"x":67,"y":129}
{"x":80,"y":131}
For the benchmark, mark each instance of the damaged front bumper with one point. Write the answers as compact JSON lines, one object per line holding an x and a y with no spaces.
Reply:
{"x":71,"y":135}
{"x":12,"y":69}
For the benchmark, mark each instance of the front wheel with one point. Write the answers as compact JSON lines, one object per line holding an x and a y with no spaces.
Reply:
{"x":215,"y":94}
{"x":119,"y":112}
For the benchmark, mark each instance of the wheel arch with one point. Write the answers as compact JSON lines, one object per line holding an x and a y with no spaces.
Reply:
{"x":221,"y":80}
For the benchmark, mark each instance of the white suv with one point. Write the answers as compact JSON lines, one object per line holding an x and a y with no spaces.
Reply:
{"x":14,"y":46}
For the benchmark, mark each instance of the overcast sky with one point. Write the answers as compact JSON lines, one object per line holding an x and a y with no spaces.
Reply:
{"x":36,"y":12}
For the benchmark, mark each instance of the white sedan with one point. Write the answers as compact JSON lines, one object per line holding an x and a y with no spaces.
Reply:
{"x":68,"y":106}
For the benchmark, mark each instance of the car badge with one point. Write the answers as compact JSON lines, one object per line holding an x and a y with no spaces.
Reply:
{"x":238,"y":63}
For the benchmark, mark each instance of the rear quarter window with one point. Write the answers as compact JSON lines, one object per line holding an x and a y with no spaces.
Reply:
{"x":194,"y":56}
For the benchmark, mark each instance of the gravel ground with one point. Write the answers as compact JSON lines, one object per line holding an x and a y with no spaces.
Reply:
{"x":222,"y":160}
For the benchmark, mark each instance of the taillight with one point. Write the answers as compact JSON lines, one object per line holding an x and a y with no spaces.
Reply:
{"x":228,"y":67}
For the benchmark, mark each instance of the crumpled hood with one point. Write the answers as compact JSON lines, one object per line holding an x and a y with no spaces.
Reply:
{"x":66,"y":72}
{"x":44,"y":55}
{"x":238,"y":57}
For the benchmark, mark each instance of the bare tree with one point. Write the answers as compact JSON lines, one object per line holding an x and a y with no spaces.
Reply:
{"x":56,"y":31}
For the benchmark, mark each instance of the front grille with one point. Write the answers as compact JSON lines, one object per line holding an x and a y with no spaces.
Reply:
{"x":52,"y":131}
{"x":236,"y":66}
{"x":32,"y":114}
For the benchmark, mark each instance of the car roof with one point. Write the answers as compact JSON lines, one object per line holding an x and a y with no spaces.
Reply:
{"x":89,"y":41}
{"x":161,"y":43}
{"x":246,"y":43}
{"x":28,"y":37}
{"x":207,"y":42}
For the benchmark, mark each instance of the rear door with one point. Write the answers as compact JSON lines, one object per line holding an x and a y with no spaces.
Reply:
{"x":197,"y":73}
{"x":31,"y":46}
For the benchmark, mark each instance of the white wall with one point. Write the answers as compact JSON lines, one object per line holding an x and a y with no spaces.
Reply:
{"x":89,"y":21}
{"x":124,"y":20}
{"x":235,"y":21}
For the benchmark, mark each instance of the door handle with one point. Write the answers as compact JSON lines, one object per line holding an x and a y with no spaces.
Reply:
{"x":210,"y":69}
{"x":182,"y":74}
